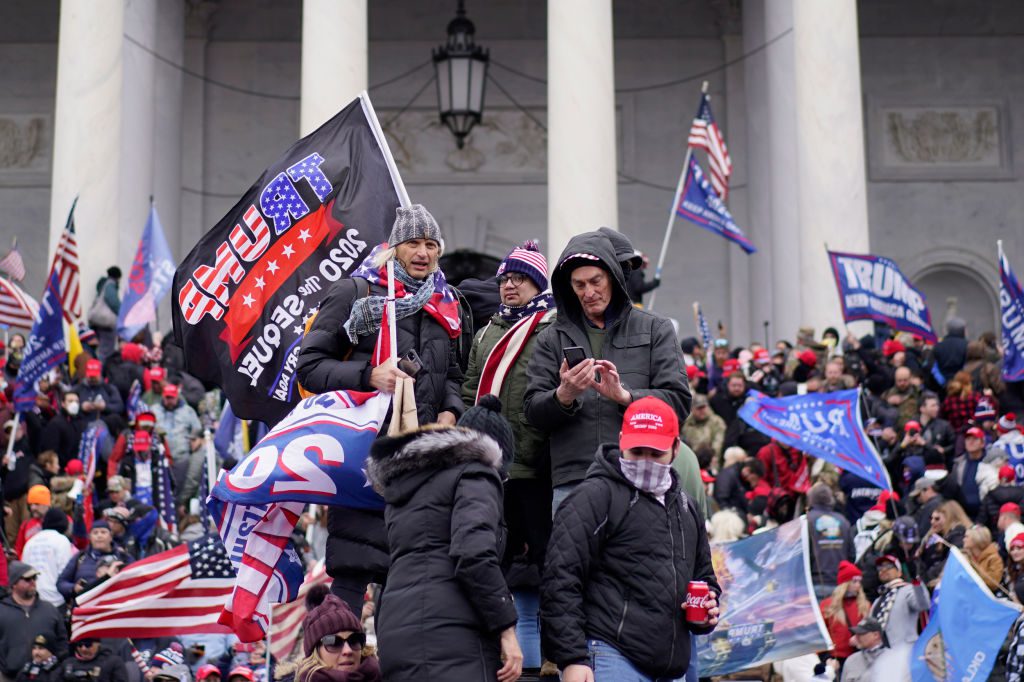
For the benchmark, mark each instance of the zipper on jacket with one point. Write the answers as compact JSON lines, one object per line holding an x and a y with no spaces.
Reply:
{"x":622,"y":621}
{"x":675,"y":578}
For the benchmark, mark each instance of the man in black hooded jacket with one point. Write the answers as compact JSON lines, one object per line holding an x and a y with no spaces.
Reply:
{"x":624,"y":548}
{"x":629,"y":354}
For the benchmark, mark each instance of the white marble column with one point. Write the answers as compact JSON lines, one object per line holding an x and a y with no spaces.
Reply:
{"x":742,"y":328}
{"x":787,"y":267}
{"x":88,"y":133}
{"x":759,"y":169}
{"x":830,"y":153}
{"x":334,"y":58}
{"x":582,"y":182}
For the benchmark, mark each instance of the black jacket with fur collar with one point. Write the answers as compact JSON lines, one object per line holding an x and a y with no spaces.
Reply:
{"x":446,"y":601}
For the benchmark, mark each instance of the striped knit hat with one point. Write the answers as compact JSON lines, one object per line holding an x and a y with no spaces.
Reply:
{"x":528,"y":260}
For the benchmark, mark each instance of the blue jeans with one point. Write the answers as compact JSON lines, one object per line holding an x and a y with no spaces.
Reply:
{"x":527,"y":603}
{"x":611,"y":666}
{"x":558,"y":495}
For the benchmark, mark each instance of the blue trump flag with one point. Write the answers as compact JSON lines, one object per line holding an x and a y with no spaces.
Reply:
{"x":967,"y":628}
{"x":873,"y":288}
{"x":1011,"y":302}
{"x":826,"y":425}
{"x":699,"y":204}
{"x":46,"y":347}
{"x":149,"y":280}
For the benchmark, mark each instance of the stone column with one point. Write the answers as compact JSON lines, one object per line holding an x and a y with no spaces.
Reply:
{"x":88,"y":134}
{"x":334,"y":58}
{"x":743,"y":327}
{"x":830,"y":154}
{"x":582,"y":182}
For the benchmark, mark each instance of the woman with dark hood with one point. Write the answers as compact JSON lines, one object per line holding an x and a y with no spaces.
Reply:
{"x":446,"y":612}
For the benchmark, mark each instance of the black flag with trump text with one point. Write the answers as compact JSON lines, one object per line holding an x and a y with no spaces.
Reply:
{"x":242,"y":295}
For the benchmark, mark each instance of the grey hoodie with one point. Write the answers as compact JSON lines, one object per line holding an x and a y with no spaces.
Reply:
{"x":641,"y":344}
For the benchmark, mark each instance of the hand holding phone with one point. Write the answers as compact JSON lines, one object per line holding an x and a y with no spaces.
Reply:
{"x":574,"y":355}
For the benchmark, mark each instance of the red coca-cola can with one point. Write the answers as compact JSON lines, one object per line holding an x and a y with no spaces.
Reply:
{"x":696,"y":601}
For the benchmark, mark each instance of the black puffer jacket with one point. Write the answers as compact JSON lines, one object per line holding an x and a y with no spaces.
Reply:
{"x":356,"y":540}
{"x":642,"y":346}
{"x":618,"y":567}
{"x":445,"y":602}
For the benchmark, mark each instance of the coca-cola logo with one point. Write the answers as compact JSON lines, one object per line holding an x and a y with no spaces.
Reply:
{"x":696,"y":601}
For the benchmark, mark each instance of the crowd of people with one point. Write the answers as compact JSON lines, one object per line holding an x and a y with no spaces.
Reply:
{"x":574,"y":459}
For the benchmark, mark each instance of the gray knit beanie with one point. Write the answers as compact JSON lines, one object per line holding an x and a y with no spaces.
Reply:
{"x":414,"y":222}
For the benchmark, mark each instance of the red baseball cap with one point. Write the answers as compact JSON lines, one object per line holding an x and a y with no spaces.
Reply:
{"x":912,"y":426}
{"x":242,"y":671}
{"x":1010,"y":508}
{"x":693,"y":372}
{"x":146,"y":417}
{"x":170,"y":391}
{"x":93,"y":368}
{"x":975,"y":432}
{"x":649,"y":423}
{"x":1006,"y":473}
{"x":888,"y":559}
{"x":157,"y":373}
{"x":74,"y":467}
{"x":142,"y":441}
{"x":762,"y":355}
{"x":731,"y":365}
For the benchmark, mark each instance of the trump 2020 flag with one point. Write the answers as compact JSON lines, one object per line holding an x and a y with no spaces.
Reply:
{"x":46,"y":347}
{"x":826,"y":425}
{"x":150,"y":278}
{"x":967,"y":628}
{"x":316,"y":455}
{"x":241,"y":296}
{"x":1011,"y":302}
{"x":700,"y":204}
{"x":873,"y":288}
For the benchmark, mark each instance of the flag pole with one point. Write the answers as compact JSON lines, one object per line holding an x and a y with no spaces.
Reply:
{"x":270,"y":641}
{"x":10,"y":441}
{"x":392,"y":330}
{"x":672,"y":211}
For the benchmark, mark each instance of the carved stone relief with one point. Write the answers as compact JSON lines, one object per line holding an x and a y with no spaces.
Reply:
{"x":21,"y":142}
{"x":939,"y":142}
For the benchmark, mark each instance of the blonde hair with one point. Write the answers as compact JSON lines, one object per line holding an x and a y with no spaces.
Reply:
{"x":310,"y":665}
{"x":981,"y":536}
{"x":726,"y":526}
{"x":835,"y":607}
{"x":953,"y":515}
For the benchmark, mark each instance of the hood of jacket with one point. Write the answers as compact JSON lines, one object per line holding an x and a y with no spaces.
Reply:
{"x":606,"y":465}
{"x":399,"y":465}
{"x":594,"y":244}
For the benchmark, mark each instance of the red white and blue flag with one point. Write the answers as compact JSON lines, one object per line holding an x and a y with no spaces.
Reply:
{"x":699,"y":204}
{"x":241,"y":296}
{"x":46,"y":347}
{"x":65,"y":265}
{"x":148,"y":281}
{"x":316,"y":454}
{"x":12,"y":263}
{"x":705,"y":134}
{"x":1011,"y":301}
{"x":17,"y":309}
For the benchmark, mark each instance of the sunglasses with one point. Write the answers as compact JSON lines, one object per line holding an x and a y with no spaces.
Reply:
{"x":29,"y":578}
{"x":335,"y":643}
{"x":85,"y":643}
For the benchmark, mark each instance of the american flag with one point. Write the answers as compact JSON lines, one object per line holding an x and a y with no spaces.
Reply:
{"x":65,"y":262}
{"x":284,"y":633}
{"x":17,"y":309}
{"x":704,"y":134}
{"x":178,"y":592}
{"x":163,"y":497}
{"x":13,"y":265}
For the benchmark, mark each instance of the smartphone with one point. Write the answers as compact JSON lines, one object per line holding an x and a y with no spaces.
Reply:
{"x":574,"y":355}
{"x":410,"y":363}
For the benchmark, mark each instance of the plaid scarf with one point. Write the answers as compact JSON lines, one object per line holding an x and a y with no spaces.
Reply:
{"x":431,"y":295}
{"x":648,"y":475}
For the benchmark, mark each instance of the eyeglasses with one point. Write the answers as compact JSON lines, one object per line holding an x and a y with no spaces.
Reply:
{"x":516,"y":278}
{"x":84,"y":644}
{"x":334,"y":643}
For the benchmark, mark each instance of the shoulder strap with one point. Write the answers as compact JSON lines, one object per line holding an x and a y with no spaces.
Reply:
{"x":619,"y":505}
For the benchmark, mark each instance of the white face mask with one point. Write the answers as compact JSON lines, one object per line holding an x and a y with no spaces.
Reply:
{"x":73,"y":408}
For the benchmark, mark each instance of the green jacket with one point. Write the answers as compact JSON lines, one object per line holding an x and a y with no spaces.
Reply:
{"x":531,"y":443}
